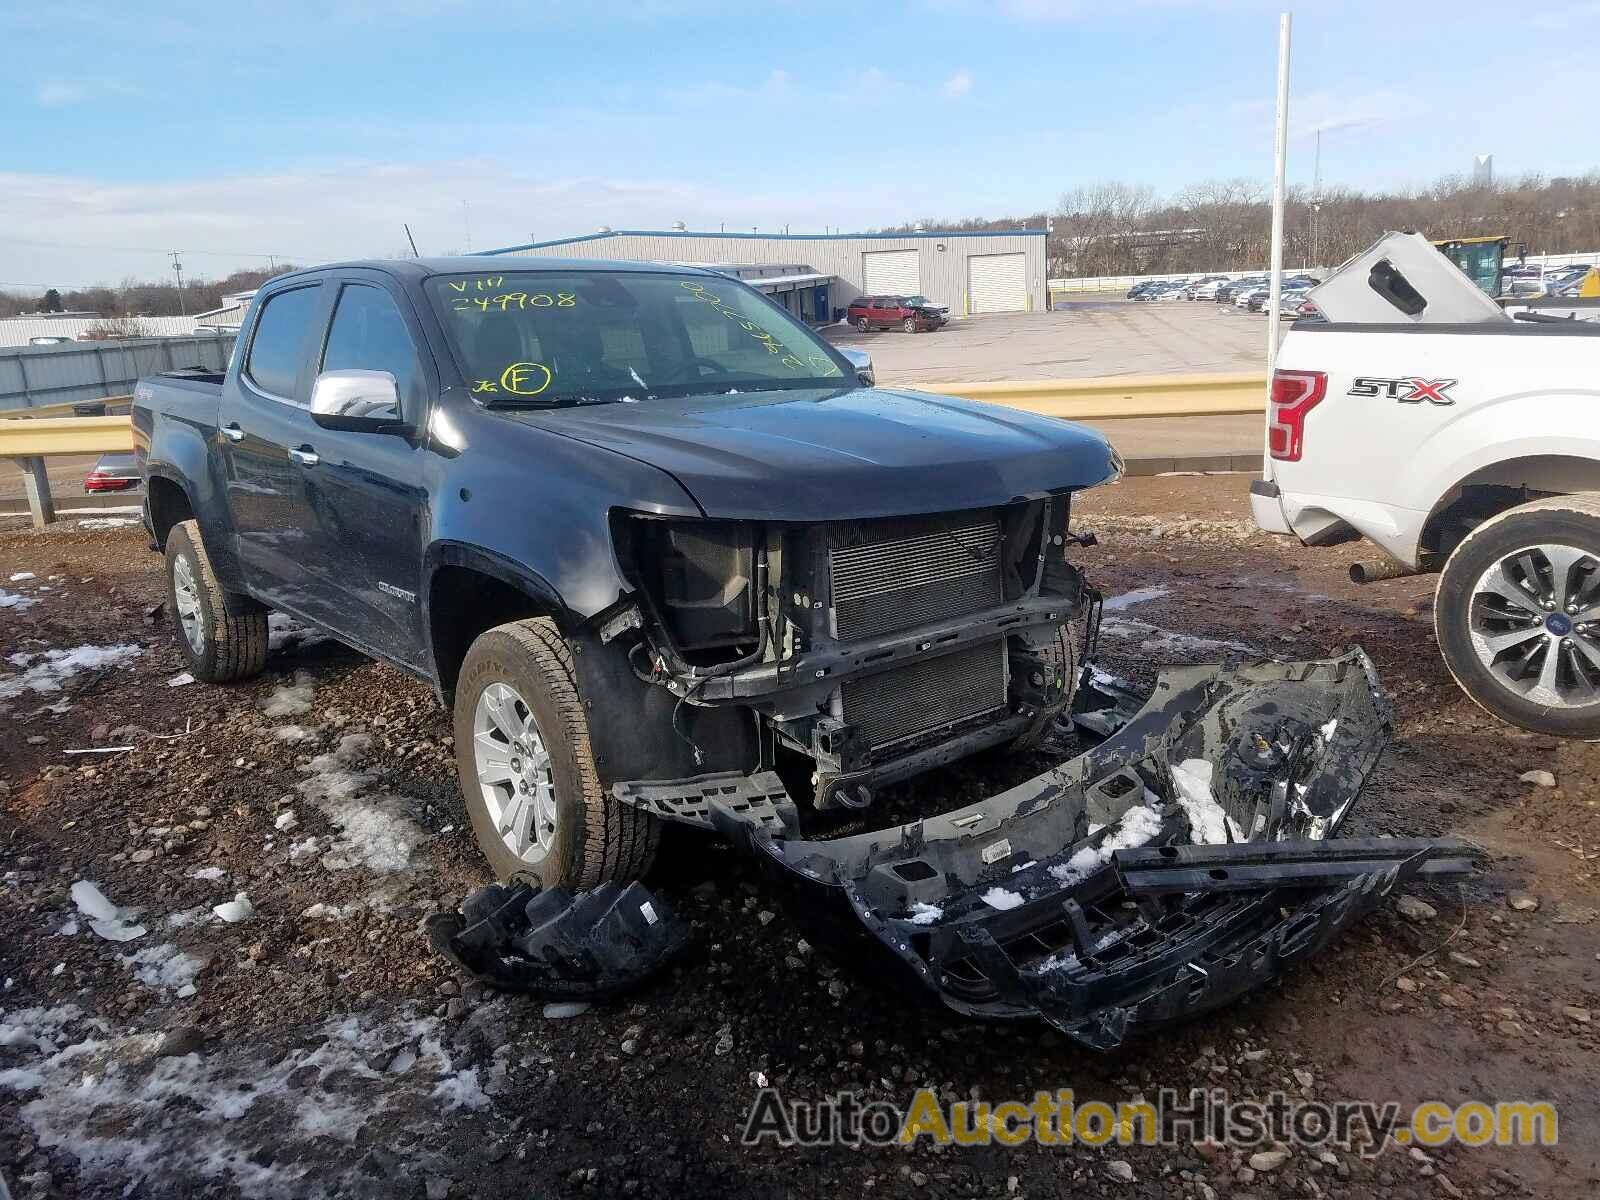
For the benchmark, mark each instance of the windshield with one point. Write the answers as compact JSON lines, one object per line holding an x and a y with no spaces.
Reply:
{"x":573,"y":337}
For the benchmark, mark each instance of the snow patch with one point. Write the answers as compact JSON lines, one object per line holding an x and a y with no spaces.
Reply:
{"x":290,"y":699}
{"x":925,"y":914}
{"x":106,"y":522}
{"x":1209,"y":823}
{"x":105,"y":918}
{"x":164,"y":966}
{"x":14,"y":600}
{"x":277,"y":1117}
{"x":1128,"y":599}
{"x":235,"y":910}
{"x":375,"y":831}
{"x":210,"y":874}
{"x":1001,"y":898}
{"x":284,"y":631}
{"x":20,"y":576}
{"x":47,"y":671}
{"x":1135,"y":827}
{"x":294,"y":733}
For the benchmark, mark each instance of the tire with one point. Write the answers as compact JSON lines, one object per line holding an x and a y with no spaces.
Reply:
{"x":909,"y":325}
{"x":863,"y":324}
{"x":1484,"y":593}
{"x":223,"y":635}
{"x":595,"y":837}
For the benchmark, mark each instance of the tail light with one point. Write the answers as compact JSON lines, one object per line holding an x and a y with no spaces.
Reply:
{"x":1294,"y":394}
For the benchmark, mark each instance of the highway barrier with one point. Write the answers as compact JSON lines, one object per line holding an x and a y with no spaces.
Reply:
{"x":1113,"y":397}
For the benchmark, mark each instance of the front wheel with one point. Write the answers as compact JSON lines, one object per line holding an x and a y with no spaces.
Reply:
{"x":1517,"y":615}
{"x":909,"y":324}
{"x":528,"y":773}
{"x":223,"y":635}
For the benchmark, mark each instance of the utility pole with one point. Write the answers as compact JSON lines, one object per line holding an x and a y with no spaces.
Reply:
{"x":1280,"y":148}
{"x":1316,"y":204}
{"x":177,"y":269}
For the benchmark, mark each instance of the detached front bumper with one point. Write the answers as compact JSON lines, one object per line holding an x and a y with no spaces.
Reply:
{"x":1179,"y":864}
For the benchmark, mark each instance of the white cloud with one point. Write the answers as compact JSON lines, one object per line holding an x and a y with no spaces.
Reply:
{"x":57,"y":93}
{"x":326,"y":212}
{"x":958,"y":84}
{"x":60,"y":93}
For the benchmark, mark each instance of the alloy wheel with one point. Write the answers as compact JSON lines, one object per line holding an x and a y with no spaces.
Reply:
{"x":1534,"y":621}
{"x":514,"y":772}
{"x":186,"y":595}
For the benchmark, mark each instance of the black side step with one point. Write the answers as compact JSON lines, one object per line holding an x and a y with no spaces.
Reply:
{"x":1256,"y":866}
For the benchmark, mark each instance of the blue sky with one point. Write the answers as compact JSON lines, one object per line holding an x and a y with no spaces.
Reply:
{"x":312,"y":131}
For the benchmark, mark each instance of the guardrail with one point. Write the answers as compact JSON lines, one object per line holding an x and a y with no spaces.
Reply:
{"x":113,"y":406}
{"x":30,"y":441}
{"x":1114,"y":397}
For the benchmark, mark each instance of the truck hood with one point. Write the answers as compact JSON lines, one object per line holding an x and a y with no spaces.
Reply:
{"x":827,"y":454}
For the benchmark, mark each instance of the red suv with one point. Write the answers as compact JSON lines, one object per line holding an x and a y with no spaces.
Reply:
{"x":911,"y":313}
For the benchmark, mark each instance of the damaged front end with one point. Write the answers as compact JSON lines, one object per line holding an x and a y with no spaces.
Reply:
{"x":1185,"y":860}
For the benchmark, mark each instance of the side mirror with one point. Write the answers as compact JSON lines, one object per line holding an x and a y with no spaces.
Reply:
{"x":862,"y":362}
{"x":357,"y":402}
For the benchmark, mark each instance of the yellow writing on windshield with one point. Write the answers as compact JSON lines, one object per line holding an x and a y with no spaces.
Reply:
{"x":507,"y":301}
{"x":525,"y":378}
{"x":820,"y":363}
{"x":487,"y":284}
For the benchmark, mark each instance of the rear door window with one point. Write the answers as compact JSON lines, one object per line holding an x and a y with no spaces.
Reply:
{"x":278,"y":346}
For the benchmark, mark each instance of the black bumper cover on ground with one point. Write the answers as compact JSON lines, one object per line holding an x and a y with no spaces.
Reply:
{"x":1021,"y":906}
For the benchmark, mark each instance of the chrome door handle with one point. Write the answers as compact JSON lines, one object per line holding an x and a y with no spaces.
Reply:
{"x":305,"y":456}
{"x":232,"y":432}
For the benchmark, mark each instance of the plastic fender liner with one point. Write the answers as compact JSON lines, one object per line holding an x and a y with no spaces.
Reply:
{"x":1016,"y":907}
{"x":559,"y":944}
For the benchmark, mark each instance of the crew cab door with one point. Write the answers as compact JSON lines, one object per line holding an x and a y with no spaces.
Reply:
{"x":262,"y":416}
{"x":365,"y":505}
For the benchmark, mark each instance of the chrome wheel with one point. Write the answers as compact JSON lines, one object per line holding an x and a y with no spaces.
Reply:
{"x":514,"y":775}
{"x":186,"y":595}
{"x":1534,"y":622}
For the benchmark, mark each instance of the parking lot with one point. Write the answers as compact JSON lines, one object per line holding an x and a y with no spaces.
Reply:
{"x":319,"y":1043}
{"x":1081,"y":337}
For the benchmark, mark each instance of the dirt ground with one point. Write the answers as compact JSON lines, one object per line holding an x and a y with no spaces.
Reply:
{"x":318,"y":1047}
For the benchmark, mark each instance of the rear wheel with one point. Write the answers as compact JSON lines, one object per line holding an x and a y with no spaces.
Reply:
{"x":528,"y":774}
{"x":863,"y":324}
{"x":1517,"y":615}
{"x":223,"y":635}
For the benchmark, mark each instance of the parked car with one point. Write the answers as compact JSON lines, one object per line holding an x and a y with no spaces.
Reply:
{"x":1139,"y":289}
{"x":116,"y":472}
{"x":712,"y":564}
{"x":914,"y":314}
{"x":1206,"y":289}
{"x":1451,"y":444}
{"x":1227,"y":291}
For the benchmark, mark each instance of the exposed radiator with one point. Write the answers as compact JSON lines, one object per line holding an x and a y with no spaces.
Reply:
{"x":928,"y":694}
{"x":913,"y":579}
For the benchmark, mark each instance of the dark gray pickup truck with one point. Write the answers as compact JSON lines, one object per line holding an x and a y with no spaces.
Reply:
{"x":670,"y":556}
{"x":651,"y":537}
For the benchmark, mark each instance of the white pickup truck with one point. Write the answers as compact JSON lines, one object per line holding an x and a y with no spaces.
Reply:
{"x":1421,"y":417}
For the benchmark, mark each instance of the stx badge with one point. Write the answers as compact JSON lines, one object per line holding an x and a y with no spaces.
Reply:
{"x":1407,"y":391}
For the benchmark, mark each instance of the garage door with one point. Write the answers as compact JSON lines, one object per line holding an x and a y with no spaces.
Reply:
{"x":997,"y":283}
{"x":891,"y":272}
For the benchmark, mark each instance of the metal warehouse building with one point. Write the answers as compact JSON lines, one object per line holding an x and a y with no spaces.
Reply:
{"x":821,"y":273}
